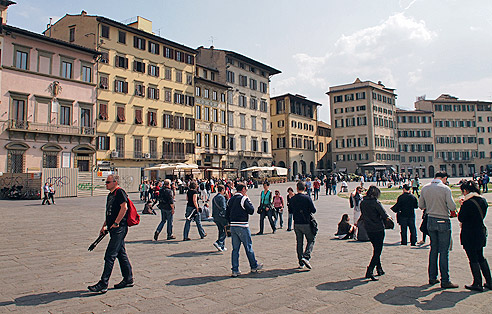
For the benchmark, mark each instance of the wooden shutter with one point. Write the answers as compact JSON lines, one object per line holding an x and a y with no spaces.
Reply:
{"x":148,"y":71}
{"x":125,"y":63}
{"x":143,"y":67}
{"x":134,"y":65}
{"x":138,"y":116}
{"x":192,"y":124}
{"x":103,"y":111}
{"x":143,"y":44}
{"x":120,"y":113}
{"x":135,"y":41}
{"x":157,"y":71}
{"x":116,"y":63}
{"x":157,"y":93}
{"x":125,"y":87}
{"x":171,"y":122}
{"x":148,"y":91}
{"x":148,"y":118}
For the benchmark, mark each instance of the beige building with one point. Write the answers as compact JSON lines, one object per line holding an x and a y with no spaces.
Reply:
{"x":294,"y":139}
{"x":248,"y":115}
{"x":363,"y":127}
{"x":210,"y":121}
{"x":324,"y":157}
{"x":416,"y":142}
{"x":462,"y":134}
{"x":145,"y":95}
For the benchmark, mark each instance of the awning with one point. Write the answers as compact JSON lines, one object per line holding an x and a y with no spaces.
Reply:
{"x":280,"y":171}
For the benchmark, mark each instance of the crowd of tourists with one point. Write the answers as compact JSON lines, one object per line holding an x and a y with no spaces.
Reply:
{"x":231,"y":208}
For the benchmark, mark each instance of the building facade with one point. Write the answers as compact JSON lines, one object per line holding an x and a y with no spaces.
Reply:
{"x":324,"y":157}
{"x":145,"y":90}
{"x":210,"y":121}
{"x":416,"y":142}
{"x":248,"y":116}
{"x":48,"y":103}
{"x":294,"y":133}
{"x":363,"y":127}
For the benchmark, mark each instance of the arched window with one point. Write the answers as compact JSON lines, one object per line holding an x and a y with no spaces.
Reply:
{"x":50,"y":155}
{"x":15,"y":156}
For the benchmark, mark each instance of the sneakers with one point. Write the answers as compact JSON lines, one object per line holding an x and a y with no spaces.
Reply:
{"x":259,"y":266}
{"x":98,"y":287}
{"x":224,"y":249}
{"x":123,"y":284}
{"x":217,"y":246}
{"x":235,"y":273}
{"x":171,"y":237}
{"x":156,"y":235}
{"x":448,"y":285}
{"x":307,"y":263}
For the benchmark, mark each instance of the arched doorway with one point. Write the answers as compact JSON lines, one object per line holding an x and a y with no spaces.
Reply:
{"x":244,"y":165}
{"x":460,"y":170}
{"x":431,"y":171}
{"x":303,"y":167}
{"x":294,"y":168}
{"x":83,"y":157}
{"x":281,"y":164}
{"x":453,"y":170}
{"x":311,"y":168}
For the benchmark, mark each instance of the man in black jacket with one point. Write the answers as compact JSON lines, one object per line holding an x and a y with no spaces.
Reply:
{"x":302,"y":208}
{"x":166,"y":205}
{"x":238,"y":210}
{"x":405,"y":215}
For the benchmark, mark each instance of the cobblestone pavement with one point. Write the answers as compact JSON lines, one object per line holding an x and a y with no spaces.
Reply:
{"x":45,"y":267}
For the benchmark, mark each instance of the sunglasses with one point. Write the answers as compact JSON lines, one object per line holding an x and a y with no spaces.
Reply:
{"x":108,"y":182}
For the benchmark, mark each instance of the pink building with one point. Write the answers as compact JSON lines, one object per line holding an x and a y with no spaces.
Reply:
{"x":48,"y":91}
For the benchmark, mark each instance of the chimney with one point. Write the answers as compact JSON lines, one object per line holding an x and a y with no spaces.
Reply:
{"x":4,"y":4}
{"x":83,"y":13}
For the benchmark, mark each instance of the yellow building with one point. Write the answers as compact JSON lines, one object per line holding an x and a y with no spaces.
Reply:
{"x":323,"y":158}
{"x":294,"y":126}
{"x":210,"y":121}
{"x":145,"y":95}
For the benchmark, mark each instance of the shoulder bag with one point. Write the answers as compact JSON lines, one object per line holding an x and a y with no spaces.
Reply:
{"x":485,"y":232}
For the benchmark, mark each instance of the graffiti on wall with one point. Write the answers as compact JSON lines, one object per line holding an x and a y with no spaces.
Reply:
{"x":58,"y":181}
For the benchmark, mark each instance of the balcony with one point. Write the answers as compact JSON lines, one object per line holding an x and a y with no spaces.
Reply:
{"x":208,"y":150}
{"x":250,"y":154}
{"x":34,"y":127}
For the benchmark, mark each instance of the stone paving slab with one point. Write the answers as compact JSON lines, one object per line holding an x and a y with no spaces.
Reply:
{"x":45,"y":267}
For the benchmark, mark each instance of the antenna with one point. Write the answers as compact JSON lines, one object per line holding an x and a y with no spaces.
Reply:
{"x":212,"y":40}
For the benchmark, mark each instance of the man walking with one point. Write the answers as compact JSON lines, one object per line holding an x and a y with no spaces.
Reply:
{"x":219,"y":215}
{"x":437,"y":201}
{"x":46,"y":191}
{"x":116,"y":224}
{"x":166,"y":205}
{"x":302,"y":208}
{"x":238,"y":210}
{"x":405,"y":215}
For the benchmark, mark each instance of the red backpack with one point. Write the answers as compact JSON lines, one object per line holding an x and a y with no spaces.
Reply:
{"x":133,"y":218}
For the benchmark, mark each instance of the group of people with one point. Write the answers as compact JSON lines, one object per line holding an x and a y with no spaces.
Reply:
{"x":49,"y":194}
{"x":438,"y":206}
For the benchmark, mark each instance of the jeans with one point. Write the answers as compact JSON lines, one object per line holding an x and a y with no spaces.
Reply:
{"x":302,"y":231}
{"x":46,"y":198}
{"x":328,"y":189}
{"x":166,"y":216}
{"x":267,"y":213}
{"x":410,"y":223}
{"x":316,"y":194}
{"x":289,"y":225}
{"x":440,"y":236}
{"x":197,"y":220}
{"x":242,"y":235}
{"x":308,"y":192}
{"x":221,"y":223}
{"x":376,"y":239}
{"x":116,"y":249}
{"x":334,"y":189}
{"x":279,"y":216}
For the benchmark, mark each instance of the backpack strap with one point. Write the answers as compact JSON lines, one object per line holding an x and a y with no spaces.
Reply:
{"x":478,"y":206}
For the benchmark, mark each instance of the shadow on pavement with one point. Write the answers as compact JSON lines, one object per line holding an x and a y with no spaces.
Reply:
{"x":195,"y":254}
{"x":151,"y":242}
{"x":410,"y":295}
{"x":48,"y":297}
{"x":194,"y":281}
{"x":342,"y":285}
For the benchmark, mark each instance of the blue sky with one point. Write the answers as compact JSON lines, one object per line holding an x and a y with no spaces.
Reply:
{"x":419,"y":47}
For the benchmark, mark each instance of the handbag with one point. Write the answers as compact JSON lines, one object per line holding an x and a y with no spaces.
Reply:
{"x":389,"y":223}
{"x":312,"y":222}
{"x":423,"y":225}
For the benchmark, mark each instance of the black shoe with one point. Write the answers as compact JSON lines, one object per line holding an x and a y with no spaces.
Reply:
{"x":203,"y":237}
{"x":98,"y":287}
{"x":448,"y":285}
{"x":156,"y":235}
{"x":259,"y":233}
{"x":171,"y":237}
{"x":433,"y":281}
{"x":289,"y":230}
{"x":369,"y":275}
{"x":474,"y":287}
{"x":123,"y":284}
{"x":186,"y":239}
{"x":380,"y":271}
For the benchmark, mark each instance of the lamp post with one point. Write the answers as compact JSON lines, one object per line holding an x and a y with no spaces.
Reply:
{"x":302,"y":168}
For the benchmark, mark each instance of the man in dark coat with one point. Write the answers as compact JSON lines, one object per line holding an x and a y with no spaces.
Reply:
{"x":405,"y":215}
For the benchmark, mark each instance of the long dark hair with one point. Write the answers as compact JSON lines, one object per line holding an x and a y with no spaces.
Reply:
{"x":373,"y":191}
{"x":345,"y":218}
{"x":470,"y":186}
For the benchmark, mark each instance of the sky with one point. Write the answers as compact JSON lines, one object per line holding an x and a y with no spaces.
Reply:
{"x":418,"y":47}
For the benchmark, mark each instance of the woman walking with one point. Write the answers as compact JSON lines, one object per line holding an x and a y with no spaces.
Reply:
{"x":374,"y":215}
{"x":278,"y":205}
{"x":474,"y":234}
{"x":192,"y":212}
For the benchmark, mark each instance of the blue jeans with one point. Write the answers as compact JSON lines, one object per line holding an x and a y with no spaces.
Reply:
{"x":242,"y":235}
{"x":410,"y":223}
{"x":116,"y":249}
{"x":197,"y":220}
{"x":440,"y":236}
{"x":308,"y":192}
{"x":221,"y":223}
{"x":316,"y":194}
{"x":166,"y":216}
{"x":279,"y":217}
{"x":289,"y":223}
{"x":334,"y":189}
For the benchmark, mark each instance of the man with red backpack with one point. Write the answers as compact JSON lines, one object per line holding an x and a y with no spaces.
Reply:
{"x":117,"y":225}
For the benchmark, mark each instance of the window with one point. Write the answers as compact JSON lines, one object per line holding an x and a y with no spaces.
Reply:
{"x":281,"y":123}
{"x":71,"y":34}
{"x":216,"y":141}
{"x":222,"y":97}
{"x":104,"y":57}
{"x":232,"y":143}
{"x":263,"y":106}
{"x":361,"y":95}
{"x":189,"y":59}
{"x":139,"y":89}
{"x":230,"y":76}
{"x":253,"y":84}
{"x":121,"y":37}
{"x":206,"y":93}
{"x":168,"y":52}
{"x":168,"y":73}
{"x":153,"y":70}
{"x":189,"y":79}
{"x":222,"y":117}
{"x":242,"y":120}
{"x":102,"y":142}
{"x":199,"y":139}
{"x":179,"y":76}
{"x":44,"y":62}
{"x":242,"y":101}
{"x":120,"y":86}
{"x":254,"y":144}
{"x":230,"y":118}
{"x":167,"y":121}
{"x":263,"y":87}
{"x":66,"y":69}
{"x":86,"y":73}
{"x":152,"y":118}
{"x":85,"y":117}
{"x":121,"y":62}
{"x":167,"y":95}
{"x":198,"y":112}
{"x":178,"y":97}
{"x":105,"y":31}
{"x":153,"y":48}
{"x":18,"y":110}
{"x":253,"y":123}
{"x":263,"y":124}
{"x":138,"y":116}
{"x":206,"y":113}
{"x":138,"y":66}
{"x":179,"y":56}
{"x":206,"y":140}
{"x":214,"y":95}
{"x":120,"y":146}
{"x":153,"y":92}
{"x":103,"y":111}
{"x":264,"y":145}
{"x":139,"y":43}
{"x":253,"y":103}
{"x":189,"y":100}
{"x":120,"y":114}
{"x":65,"y":115}
{"x":338,"y":98}
{"x":215,"y":115}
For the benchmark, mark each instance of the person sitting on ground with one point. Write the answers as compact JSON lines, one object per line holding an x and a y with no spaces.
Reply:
{"x":344,"y":186}
{"x":148,"y":210}
{"x":345,"y":228}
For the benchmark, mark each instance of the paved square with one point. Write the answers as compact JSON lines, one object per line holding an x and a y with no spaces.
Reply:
{"x":45,"y":267}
